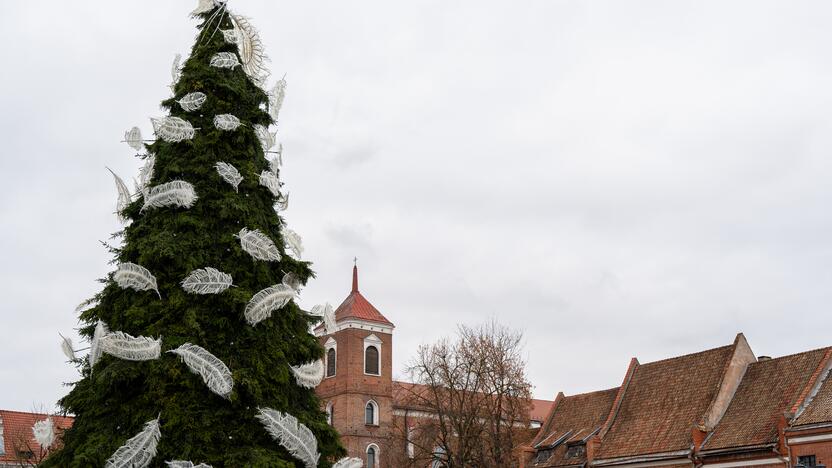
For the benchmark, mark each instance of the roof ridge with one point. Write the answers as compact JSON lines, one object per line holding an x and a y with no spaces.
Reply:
{"x":718,"y":348}
{"x":35,"y":413}
{"x":823,"y":348}
{"x":591,"y":392}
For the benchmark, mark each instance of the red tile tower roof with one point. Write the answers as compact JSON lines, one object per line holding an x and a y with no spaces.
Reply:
{"x":355,"y":306}
{"x":661,"y":403}
{"x":768,"y":389}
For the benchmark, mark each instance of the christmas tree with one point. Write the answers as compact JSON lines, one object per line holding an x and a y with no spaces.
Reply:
{"x":199,"y":351}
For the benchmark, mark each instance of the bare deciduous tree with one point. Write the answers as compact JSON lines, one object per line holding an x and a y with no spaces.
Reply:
{"x":470,"y":400}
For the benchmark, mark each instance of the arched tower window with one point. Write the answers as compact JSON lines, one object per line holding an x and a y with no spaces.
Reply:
{"x":330,"y":362}
{"x":372,"y":456}
{"x":371,"y":413}
{"x":331,"y":347}
{"x":371,"y":360}
{"x":330,"y":412}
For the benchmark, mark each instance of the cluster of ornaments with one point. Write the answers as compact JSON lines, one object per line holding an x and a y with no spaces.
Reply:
{"x":139,"y":450}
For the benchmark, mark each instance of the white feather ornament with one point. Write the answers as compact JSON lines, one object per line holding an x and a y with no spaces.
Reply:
{"x":131,"y":348}
{"x":206,"y":281}
{"x":139,"y":450}
{"x":214,"y":372}
{"x":130,"y":275}
{"x":267,"y":139}
{"x":327,"y":315}
{"x":225,"y":60}
{"x":276,"y":98}
{"x":269,"y":180}
{"x":309,"y":375}
{"x":282,"y":202}
{"x":172,"y":129}
{"x":192,"y":101}
{"x":66,"y":347}
{"x":349,"y":463}
{"x":146,"y":173}
{"x":252,"y":55}
{"x":290,"y":279}
{"x":175,"y":72}
{"x":202,"y":7}
{"x":174,"y":193}
{"x":100,"y":332}
{"x":44,"y":432}
{"x":123,"y":195}
{"x":229,"y":35}
{"x":185,"y":464}
{"x":226,"y":122}
{"x":133,"y":138}
{"x":229,"y":174}
{"x":291,"y":434}
{"x":258,"y":245}
{"x":293,"y":243}
{"x":262,"y":304}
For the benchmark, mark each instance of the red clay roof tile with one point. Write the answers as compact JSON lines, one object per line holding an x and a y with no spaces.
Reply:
{"x":576,"y":417}
{"x":17,"y":433}
{"x":768,"y":389}
{"x":663,"y":401}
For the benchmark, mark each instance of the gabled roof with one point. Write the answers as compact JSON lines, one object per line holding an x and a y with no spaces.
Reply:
{"x":661,"y":403}
{"x":356,"y":307}
{"x":572,"y":420}
{"x":768,"y":389}
{"x":819,"y":409}
{"x":17,"y":433}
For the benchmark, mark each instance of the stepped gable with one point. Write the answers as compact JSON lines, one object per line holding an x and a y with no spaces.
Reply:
{"x":661,"y":403}
{"x":767,"y":391}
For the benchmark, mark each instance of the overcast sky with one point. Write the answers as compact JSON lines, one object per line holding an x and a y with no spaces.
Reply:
{"x":615,"y":178}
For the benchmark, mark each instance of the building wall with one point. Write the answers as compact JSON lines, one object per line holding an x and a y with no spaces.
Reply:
{"x":351,"y":389}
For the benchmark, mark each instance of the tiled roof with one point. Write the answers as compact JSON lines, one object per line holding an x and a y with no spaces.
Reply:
{"x":17,"y":433}
{"x":573,"y":419}
{"x":406,"y":395}
{"x":767,"y":390}
{"x":662,"y":403}
{"x":819,"y":409}
{"x":355,"y":306}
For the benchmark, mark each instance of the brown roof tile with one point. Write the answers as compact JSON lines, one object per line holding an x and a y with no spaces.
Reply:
{"x":663,"y":401}
{"x":17,"y":433}
{"x":767,"y":390}
{"x":576,"y":417}
{"x":819,"y":410}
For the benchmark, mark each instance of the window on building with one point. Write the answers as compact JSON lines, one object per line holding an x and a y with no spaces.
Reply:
{"x":576,"y":451}
{"x":371,"y":360}
{"x":807,"y":461}
{"x":372,"y":456}
{"x":438,"y":457}
{"x":543,"y":455}
{"x":330,"y":411}
{"x":411,"y":449}
{"x":330,"y":362}
{"x":371,"y":413}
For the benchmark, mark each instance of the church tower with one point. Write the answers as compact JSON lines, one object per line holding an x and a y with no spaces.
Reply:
{"x":357,"y":387}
